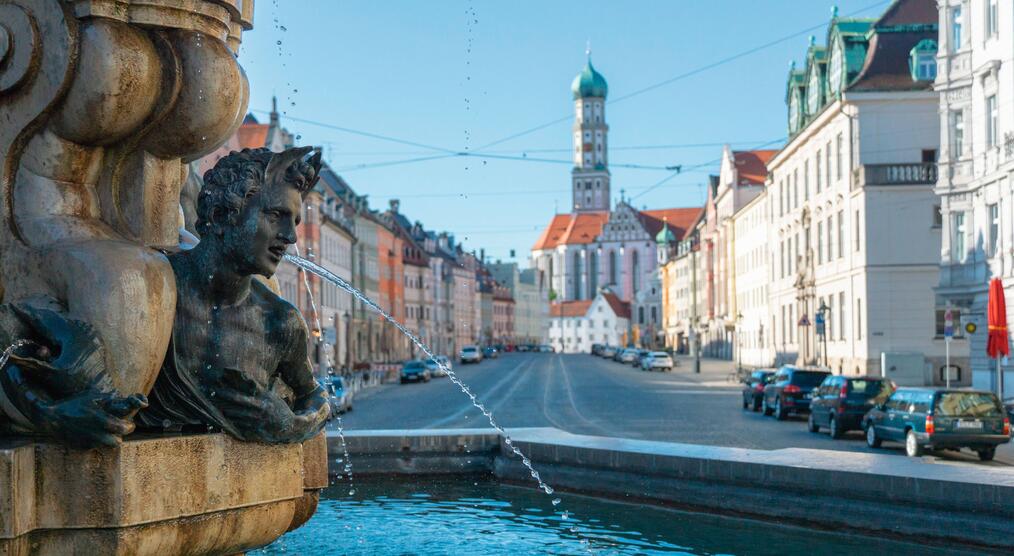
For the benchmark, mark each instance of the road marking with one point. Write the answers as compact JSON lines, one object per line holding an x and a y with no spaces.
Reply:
{"x":695,"y":392}
{"x":483,"y":397}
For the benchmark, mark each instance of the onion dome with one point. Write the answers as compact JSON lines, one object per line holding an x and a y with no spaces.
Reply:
{"x":589,"y":83}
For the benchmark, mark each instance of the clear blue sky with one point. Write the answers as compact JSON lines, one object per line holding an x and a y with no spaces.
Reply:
{"x":457,"y":74}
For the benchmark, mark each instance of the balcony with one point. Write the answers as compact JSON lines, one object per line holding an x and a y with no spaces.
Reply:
{"x":914,"y":173}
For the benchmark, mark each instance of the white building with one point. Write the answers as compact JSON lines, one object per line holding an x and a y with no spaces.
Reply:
{"x":751,"y":279}
{"x":575,"y":325}
{"x":854,"y":226}
{"x":975,"y":82}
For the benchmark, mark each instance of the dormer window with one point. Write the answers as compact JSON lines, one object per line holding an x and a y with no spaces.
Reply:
{"x":814,"y":98}
{"x":834,"y":69}
{"x":922,"y":61}
{"x":794,"y":113}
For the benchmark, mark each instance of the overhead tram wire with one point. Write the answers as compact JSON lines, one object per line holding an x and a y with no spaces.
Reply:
{"x":685,"y":75}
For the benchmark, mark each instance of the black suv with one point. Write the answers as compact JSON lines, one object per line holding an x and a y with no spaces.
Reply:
{"x":789,"y":391}
{"x":840,"y":403}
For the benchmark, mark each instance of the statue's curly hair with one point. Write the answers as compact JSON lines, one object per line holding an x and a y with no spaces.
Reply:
{"x":239,"y":176}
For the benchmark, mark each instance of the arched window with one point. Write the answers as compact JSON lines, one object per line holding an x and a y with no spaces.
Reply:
{"x":612,"y":267}
{"x":635,"y":273}
{"x":578,"y":271}
{"x":593,"y":278}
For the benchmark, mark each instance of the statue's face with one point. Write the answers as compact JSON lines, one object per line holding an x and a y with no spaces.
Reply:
{"x":265,"y":229}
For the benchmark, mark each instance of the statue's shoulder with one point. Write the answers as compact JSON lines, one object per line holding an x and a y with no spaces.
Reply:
{"x":276,"y":308}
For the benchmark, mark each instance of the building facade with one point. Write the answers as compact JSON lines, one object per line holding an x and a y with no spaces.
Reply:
{"x":575,"y":325}
{"x":975,"y":83}
{"x":854,"y":239}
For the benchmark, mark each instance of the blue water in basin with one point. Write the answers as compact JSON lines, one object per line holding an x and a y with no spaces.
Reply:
{"x":414,"y":515}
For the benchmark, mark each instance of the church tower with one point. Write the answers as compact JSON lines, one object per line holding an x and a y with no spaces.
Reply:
{"x":590,"y":177}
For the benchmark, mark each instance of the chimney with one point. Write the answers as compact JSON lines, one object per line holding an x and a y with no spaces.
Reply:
{"x":482,"y":255}
{"x":274,"y":110}
{"x":394,"y":205}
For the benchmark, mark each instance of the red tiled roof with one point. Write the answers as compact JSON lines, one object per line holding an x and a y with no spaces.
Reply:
{"x":910,"y":12}
{"x":621,"y":308}
{"x":252,"y":136}
{"x":569,"y":308}
{"x":753,"y":165}
{"x":572,"y":229}
{"x":680,"y":220}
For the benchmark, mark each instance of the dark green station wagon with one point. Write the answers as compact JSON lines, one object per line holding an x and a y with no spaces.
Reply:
{"x":938,"y":418}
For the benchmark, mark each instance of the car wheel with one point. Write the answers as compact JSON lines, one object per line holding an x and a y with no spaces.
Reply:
{"x":986,"y":454}
{"x":766,"y":408}
{"x":912,"y":447}
{"x":779,"y":412}
{"x":811,"y":424}
{"x":872,"y":440}
{"x":756,"y":405}
{"x":833,"y":428}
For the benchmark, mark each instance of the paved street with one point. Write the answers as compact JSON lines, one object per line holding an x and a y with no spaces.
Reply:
{"x":583,"y":394}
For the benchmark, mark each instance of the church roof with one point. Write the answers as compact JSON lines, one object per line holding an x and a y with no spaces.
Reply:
{"x":752,"y":166}
{"x":573,"y":228}
{"x":678,"y":219}
{"x":589,"y":83}
{"x":252,"y":136}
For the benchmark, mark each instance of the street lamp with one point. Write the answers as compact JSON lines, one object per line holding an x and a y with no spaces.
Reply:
{"x":822,"y":314}
{"x":348,"y":342}
{"x":739,"y":343}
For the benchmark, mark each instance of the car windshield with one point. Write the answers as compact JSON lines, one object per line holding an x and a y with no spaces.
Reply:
{"x":659,"y":354}
{"x":967,"y":404}
{"x":808,"y":378}
{"x":431,"y":362}
{"x":413,"y":365}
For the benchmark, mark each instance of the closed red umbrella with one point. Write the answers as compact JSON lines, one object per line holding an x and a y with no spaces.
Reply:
{"x":996,"y":343}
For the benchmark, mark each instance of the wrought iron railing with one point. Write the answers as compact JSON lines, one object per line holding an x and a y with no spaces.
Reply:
{"x":915,"y":173}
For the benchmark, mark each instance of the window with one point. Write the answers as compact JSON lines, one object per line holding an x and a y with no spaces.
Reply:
{"x":992,"y":24}
{"x":834,"y":69}
{"x":781,"y":258}
{"x":922,"y":60}
{"x":837,"y":153}
{"x":817,"y":172}
{"x":938,"y":217}
{"x":956,"y":318}
{"x":593,"y":282}
{"x":841,"y":316}
{"x":841,"y":233}
{"x":958,"y":236}
{"x":578,"y":271}
{"x":994,"y":228}
{"x":957,"y":133}
{"x":795,"y":188}
{"x":856,"y":232}
{"x":635,"y":272}
{"x":991,"y":122}
{"x":827,"y":165}
{"x":806,"y":180}
{"x":859,"y":319}
{"x":956,"y":38}
{"x":612,"y":267}
{"x":820,"y":243}
{"x":830,"y":317}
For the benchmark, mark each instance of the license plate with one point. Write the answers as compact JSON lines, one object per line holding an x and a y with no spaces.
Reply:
{"x":972,"y":425}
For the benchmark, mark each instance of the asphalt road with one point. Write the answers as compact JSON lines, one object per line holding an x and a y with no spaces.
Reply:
{"x":583,"y":394}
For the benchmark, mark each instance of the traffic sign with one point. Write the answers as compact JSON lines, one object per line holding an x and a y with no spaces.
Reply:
{"x":948,"y":324}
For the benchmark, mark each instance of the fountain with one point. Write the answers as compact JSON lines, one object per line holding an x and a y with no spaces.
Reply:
{"x":153,"y":400}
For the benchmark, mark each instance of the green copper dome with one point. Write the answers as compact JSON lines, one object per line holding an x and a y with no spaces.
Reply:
{"x":589,"y":83}
{"x":665,"y":235}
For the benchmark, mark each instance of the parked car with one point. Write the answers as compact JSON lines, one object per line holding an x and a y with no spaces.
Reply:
{"x":753,"y":387}
{"x":641,"y":354}
{"x":840,"y":403}
{"x":470,"y":354}
{"x":939,"y":418}
{"x":546,"y":348}
{"x":596,"y":349}
{"x":789,"y":391}
{"x":629,"y":355}
{"x":608,"y":351}
{"x":619,"y":353}
{"x":657,"y":360}
{"x":445,"y":361}
{"x":434,"y":367}
{"x":415,"y":371}
{"x":490,"y":352}
{"x":339,"y":397}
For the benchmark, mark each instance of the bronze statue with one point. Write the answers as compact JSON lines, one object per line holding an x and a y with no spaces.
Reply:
{"x":233,"y":338}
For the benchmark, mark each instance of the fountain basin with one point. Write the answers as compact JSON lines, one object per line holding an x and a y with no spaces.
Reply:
{"x":875,"y":494}
{"x":187,"y":494}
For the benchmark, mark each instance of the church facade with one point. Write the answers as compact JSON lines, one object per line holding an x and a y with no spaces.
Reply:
{"x":598,"y":246}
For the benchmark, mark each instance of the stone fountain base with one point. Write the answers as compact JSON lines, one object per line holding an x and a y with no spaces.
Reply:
{"x":196,"y":494}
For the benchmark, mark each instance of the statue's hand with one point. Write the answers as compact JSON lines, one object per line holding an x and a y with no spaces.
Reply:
{"x":91,"y":418}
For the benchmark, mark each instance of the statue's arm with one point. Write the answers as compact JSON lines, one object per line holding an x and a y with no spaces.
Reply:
{"x":310,"y":405}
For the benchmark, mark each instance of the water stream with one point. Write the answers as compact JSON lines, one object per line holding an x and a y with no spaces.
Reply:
{"x":324,"y":273}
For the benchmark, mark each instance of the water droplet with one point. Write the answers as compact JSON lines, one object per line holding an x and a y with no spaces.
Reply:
{"x":283,"y":30}
{"x":352,"y":492}
{"x":166,"y":423}
{"x":565,"y":515}
{"x":279,"y":43}
{"x":556,"y":501}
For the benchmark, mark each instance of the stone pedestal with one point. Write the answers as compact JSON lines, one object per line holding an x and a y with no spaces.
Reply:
{"x":197,"y":494}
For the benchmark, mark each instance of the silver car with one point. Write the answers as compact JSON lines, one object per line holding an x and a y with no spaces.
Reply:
{"x":470,"y":354}
{"x":657,"y":360}
{"x":629,"y":356}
